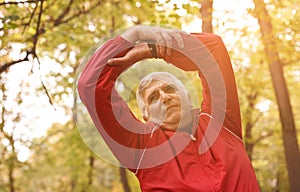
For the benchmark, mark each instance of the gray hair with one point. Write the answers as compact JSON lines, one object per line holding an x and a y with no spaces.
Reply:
{"x":161,"y":76}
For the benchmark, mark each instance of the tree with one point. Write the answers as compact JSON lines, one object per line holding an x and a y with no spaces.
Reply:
{"x":60,"y":33}
{"x":252,"y":92}
{"x":283,"y":100}
{"x":38,"y":34}
{"x":206,"y":11}
{"x":10,"y":127}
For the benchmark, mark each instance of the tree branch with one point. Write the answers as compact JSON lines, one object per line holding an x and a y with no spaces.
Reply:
{"x":30,"y":19}
{"x":63,"y":14}
{"x":78,"y":14}
{"x":43,"y":84}
{"x":35,"y":40}
{"x":37,"y":32}
{"x":5,"y":66}
{"x":262,"y":137}
{"x":19,"y":2}
{"x":40,"y":31}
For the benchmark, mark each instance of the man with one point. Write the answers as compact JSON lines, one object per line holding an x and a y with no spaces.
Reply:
{"x":178,"y":148}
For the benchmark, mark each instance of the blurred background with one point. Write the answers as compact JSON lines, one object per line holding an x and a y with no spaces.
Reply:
{"x":44,"y":44}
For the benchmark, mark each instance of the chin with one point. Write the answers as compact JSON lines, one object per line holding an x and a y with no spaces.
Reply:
{"x":174,"y":116}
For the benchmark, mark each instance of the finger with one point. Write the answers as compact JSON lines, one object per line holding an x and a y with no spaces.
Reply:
{"x":161,"y":45}
{"x":178,"y":38}
{"x":168,"y":42}
{"x":160,"y":51}
{"x":118,"y":61}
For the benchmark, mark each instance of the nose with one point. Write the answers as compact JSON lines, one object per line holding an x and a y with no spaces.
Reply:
{"x":164,"y":97}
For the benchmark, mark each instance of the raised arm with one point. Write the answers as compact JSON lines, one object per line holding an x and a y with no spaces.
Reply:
{"x":105,"y":106}
{"x":126,"y":136}
{"x":210,"y":58}
{"x":207,"y":54}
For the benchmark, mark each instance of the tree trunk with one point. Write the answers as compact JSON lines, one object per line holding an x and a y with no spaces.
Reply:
{"x":206,"y":15}
{"x":124,"y":180}
{"x":11,"y":167}
{"x":249,"y":143}
{"x":285,"y":110}
{"x":12,"y":157}
{"x":91,"y":168}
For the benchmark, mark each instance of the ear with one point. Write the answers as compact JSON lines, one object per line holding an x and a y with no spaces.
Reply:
{"x":146,"y":118}
{"x":146,"y":115}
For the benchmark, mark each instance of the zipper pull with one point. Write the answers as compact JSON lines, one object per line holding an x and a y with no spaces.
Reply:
{"x":192,"y":137}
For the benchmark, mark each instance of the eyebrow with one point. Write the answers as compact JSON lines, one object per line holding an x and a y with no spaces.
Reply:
{"x":170,"y":86}
{"x":151,"y":94}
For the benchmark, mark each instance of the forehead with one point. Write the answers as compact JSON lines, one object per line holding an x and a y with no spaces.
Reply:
{"x":153,"y":85}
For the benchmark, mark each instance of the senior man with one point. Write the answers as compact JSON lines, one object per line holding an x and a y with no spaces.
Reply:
{"x":177,"y":148}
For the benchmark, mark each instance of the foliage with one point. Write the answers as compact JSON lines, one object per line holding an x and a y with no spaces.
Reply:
{"x":46,"y":41}
{"x":49,"y":38}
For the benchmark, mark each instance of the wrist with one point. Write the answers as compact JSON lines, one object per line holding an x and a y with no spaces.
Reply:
{"x":148,"y":52}
{"x":153,"y":50}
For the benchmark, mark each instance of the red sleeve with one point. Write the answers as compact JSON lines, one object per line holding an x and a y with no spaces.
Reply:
{"x":111,"y":115}
{"x":207,"y":54}
{"x":122,"y":132}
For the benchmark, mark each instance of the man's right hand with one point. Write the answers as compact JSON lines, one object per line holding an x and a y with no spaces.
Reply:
{"x":137,"y":53}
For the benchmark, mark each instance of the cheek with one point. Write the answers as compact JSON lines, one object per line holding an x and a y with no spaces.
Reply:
{"x":184,"y":100}
{"x":157,"y":109}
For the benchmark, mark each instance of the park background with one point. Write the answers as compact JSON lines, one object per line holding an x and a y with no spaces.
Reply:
{"x":44,"y":43}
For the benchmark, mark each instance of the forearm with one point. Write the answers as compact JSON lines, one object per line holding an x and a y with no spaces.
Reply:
{"x":110,"y":113}
{"x":92,"y":70}
{"x":97,"y":75}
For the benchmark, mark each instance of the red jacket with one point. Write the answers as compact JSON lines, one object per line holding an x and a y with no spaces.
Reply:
{"x":164,"y":160}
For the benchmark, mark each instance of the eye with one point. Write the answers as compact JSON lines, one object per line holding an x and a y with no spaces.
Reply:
{"x":153,"y":97}
{"x":169,"y":89}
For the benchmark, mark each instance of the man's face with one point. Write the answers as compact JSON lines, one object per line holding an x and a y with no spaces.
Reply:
{"x":164,"y":105}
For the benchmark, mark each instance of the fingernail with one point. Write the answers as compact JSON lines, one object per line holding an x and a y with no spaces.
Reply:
{"x":109,"y":62}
